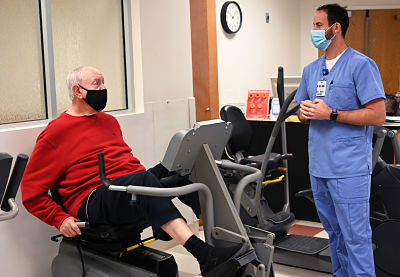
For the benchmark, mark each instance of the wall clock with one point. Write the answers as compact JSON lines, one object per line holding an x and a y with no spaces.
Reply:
{"x":231,"y":17}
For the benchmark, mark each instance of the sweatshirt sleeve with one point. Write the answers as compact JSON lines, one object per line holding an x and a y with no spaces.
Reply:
{"x":44,"y":168}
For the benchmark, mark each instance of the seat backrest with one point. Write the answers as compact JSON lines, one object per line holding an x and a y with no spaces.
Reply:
{"x":241,"y":133}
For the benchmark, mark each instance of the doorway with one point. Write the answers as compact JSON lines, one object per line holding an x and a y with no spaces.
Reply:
{"x":376,"y":33}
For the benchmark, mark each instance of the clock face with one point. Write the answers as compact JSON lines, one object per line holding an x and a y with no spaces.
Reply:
{"x":231,"y":17}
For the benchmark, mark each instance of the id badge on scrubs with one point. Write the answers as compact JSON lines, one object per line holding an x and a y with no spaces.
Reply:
{"x":321,"y":88}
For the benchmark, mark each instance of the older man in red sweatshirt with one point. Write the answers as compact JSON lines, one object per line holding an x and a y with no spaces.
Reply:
{"x":65,"y":156}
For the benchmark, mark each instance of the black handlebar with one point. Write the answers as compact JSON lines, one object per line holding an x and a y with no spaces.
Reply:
{"x":5,"y":168}
{"x":102,"y":170}
{"x":284,"y":113}
{"x":280,"y":87}
{"x":15,"y":181}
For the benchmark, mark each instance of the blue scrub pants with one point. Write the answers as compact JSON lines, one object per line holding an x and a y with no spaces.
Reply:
{"x":343,"y":208}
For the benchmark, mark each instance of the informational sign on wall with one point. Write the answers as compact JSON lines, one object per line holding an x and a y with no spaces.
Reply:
{"x":257,"y":104}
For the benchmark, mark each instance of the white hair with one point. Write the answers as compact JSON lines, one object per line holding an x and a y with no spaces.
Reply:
{"x":73,"y":78}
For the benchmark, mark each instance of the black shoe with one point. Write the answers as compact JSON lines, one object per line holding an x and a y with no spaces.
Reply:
{"x":221,"y":263}
{"x":224,"y":269}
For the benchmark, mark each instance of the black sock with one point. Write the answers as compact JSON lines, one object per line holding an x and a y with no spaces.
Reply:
{"x":198,"y":248}
{"x":208,"y":256}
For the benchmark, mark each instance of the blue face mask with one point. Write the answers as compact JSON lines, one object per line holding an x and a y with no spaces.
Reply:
{"x":319,"y":39}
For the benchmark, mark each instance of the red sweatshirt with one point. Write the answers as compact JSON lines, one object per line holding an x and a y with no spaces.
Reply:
{"x":65,"y":156}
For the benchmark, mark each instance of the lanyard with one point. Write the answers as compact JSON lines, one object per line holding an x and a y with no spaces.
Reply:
{"x":321,"y":86}
{"x":325,"y":72}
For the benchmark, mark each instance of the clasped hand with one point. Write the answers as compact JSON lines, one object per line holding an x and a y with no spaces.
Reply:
{"x":316,"y":109}
{"x":69,"y":228}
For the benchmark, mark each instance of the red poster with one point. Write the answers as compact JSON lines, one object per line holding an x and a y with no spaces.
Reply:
{"x":257,"y":104}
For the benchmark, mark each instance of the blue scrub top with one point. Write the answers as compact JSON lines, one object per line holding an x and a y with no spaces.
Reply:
{"x":338,"y":150}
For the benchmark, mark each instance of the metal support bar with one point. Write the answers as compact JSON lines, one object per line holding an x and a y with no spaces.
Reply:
{"x":255,"y":175}
{"x":392,"y":134}
{"x":257,"y":233}
{"x":286,"y":205}
{"x":170,"y":192}
{"x":226,"y":235}
{"x":380,"y":133}
{"x":12,"y":213}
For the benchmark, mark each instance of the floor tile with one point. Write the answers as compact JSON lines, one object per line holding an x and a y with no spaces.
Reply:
{"x":188,"y":266}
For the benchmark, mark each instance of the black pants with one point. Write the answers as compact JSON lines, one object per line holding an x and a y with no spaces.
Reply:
{"x":104,"y":206}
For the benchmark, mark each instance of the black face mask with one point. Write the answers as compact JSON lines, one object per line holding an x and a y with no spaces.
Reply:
{"x":97,"y":99}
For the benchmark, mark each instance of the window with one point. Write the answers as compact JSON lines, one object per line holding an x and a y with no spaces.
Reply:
{"x":46,"y":39}
{"x":21,"y":75}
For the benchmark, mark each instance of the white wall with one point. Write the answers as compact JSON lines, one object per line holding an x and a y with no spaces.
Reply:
{"x":167,"y":59}
{"x":163,"y":86}
{"x":308,"y":52}
{"x":247,"y":59}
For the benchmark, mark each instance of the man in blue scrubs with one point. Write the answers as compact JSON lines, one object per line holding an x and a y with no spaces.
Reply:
{"x":341,"y":96}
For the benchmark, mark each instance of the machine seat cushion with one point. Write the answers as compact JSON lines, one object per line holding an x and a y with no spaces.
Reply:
{"x":114,"y":232}
{"x":111,"y":240}
{"x":273,"y":162}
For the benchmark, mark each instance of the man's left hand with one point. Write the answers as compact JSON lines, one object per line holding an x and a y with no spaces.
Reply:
{"x":316,"y":109}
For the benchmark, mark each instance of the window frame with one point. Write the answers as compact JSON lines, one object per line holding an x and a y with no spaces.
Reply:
{"x":48,"y":70}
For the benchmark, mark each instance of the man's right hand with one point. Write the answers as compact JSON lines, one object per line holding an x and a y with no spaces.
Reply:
{"x":302,"y":112}
{"x":69,"y":228}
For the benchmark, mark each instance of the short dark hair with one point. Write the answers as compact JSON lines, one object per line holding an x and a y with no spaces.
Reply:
{"x":336,"y":13}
